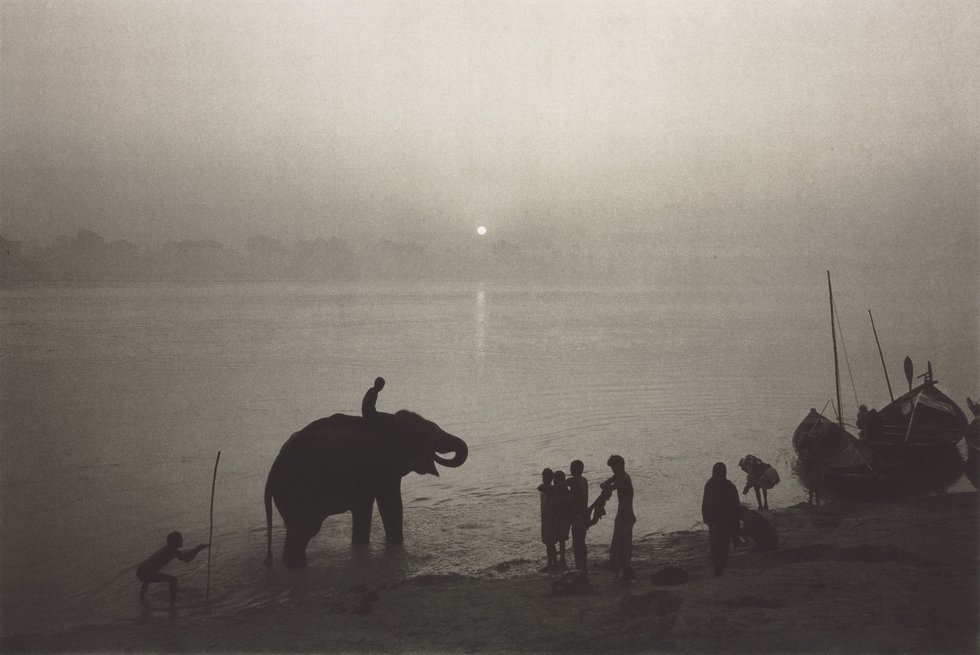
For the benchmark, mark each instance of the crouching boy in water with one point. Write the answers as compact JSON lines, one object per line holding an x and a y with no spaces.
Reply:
{"x":149,"y":571}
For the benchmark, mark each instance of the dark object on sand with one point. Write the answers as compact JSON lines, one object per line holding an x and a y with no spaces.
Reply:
{"x":571,"y":584}
{"x":758,"y":529}
{"x":670,"y":575}
{"x":924,"y":417}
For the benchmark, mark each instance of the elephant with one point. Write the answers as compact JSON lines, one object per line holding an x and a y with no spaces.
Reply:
{"x":345,"y":463}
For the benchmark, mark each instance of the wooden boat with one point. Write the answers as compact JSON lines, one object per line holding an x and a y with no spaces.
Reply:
{"x":825,"y":449}
{"x":973,"y":430}
{"x":837,"y":453}
{"x":924,"y":417}
{"x":973,"y":444}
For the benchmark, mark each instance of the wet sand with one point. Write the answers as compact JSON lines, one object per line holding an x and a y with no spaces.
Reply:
{"x":848,"y":576}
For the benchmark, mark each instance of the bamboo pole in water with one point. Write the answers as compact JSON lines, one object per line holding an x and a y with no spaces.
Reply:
{"x":214,"y":479}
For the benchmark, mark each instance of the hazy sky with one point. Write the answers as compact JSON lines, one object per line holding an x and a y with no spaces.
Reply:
{"x":783,"y":124}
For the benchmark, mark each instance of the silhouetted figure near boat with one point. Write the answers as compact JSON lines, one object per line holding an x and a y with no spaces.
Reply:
{"x":368,"y":409}
{"x":758,"y":529}
{"x":561,"y":503}
{"x":814,"y":487}
{"x":149,"y":571}
{"x":868,"y":421}
{"x":549,"y":521}
{"x":759,"y":476}
{"x":578,"y":485}
{"x":813,"y":477}
{"x":720,"y":509}
{"x":621,"y":548}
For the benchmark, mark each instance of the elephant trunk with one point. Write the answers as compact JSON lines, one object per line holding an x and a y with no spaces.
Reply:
{"x":455,"y":445}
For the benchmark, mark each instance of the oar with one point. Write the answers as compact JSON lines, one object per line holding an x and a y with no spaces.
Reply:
{"x":908,"y":371}
{"x":214,"y":479}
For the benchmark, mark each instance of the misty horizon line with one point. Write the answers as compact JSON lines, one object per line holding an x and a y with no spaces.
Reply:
{"x":88,"y":257}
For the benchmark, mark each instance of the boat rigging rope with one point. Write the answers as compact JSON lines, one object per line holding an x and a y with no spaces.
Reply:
{"x":915,"y":405}
{"x":847,"y":362}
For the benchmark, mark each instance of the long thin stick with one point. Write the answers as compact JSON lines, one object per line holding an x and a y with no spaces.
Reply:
{"x":847,"y":361}
{"x":882,"y":356}
{"x":207,"y":589}
{"x":833,"y":336}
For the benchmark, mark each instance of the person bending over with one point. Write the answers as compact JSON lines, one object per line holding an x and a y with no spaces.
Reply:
{"x":149,"y":571}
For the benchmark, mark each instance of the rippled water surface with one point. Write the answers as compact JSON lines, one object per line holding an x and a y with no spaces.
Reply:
{"x":115,"y":402}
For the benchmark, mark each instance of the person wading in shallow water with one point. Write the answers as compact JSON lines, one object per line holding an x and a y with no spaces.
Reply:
{"x":621,"y":548}
{"x":371,"y":398}
{"x":149,"y":571}
{"x":720,"y":508}
{"x":549,"y":520}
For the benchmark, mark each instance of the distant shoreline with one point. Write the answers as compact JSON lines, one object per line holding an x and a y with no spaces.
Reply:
{"x":849,"y":576}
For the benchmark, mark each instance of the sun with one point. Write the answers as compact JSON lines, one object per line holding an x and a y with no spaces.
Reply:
{"x":481,"y":230}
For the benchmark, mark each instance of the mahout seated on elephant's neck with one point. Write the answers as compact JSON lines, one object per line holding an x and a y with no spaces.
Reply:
{"x":347,"y":463}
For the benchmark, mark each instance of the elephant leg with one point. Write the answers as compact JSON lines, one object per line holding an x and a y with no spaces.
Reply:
{"x":361,"y":511}
{"x":390,"y":508}
{"x":298,"y":535}
{"x":294,"y":551}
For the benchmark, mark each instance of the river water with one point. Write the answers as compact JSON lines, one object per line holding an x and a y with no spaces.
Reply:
{"x":116,"y":400}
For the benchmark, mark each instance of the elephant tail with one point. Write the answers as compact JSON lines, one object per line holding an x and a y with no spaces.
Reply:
{"x":268,"y":519}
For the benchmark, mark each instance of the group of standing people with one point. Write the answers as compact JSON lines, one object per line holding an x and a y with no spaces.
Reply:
{"x":565,"y":508}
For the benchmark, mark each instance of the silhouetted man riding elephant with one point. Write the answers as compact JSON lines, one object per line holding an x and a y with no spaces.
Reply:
{"x":345,"y":463}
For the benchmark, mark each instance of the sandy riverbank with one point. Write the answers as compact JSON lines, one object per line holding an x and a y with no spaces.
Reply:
{"x":896,"y":576}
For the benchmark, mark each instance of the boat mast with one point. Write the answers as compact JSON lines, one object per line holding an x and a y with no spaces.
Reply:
{"x":833,"y":336}
{"x":883,"y":367}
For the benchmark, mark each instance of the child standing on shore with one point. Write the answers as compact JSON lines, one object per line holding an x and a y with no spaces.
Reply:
{"x":561,"y":502}
{"x":579,"y":487}
{"x":549,"y":522}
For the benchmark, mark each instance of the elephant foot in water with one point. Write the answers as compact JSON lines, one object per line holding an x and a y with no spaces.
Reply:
{"x":294,"y":551}
{"x":361,"y":539}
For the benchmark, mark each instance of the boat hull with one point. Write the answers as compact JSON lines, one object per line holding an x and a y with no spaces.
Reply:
{"x":924,"y":417}
{"x":822,"y":443}
{"x":973,"y":437}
